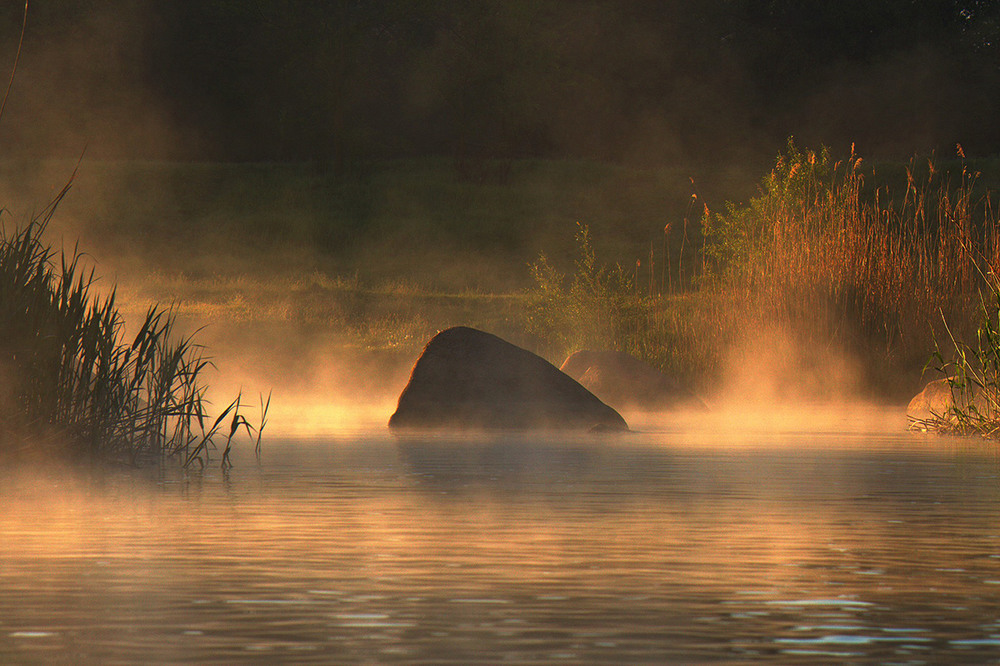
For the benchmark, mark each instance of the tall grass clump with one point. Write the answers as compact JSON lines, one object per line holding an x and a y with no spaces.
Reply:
{"x":830,"y":260}
{"x":72,"y":384}
{"x":821,"y":250}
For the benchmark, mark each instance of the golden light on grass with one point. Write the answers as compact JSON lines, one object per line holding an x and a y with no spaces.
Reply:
{"x":858,"y":274}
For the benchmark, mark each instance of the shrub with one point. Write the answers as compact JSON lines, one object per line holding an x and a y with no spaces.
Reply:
{"x":838,"y":264}
{"x":596,"y":307}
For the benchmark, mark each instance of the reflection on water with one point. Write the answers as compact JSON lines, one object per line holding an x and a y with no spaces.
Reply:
{"x":655,"y":547}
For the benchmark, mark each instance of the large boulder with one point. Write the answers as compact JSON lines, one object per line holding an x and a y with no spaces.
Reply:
{"x":466,"y":378}
{"x":625,"y":382}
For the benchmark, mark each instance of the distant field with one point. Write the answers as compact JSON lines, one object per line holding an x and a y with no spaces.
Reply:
{"x":288,"y":266}
{"x":433,"y":222}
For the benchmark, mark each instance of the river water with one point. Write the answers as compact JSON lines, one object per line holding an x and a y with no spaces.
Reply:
{"x":748,"y":545}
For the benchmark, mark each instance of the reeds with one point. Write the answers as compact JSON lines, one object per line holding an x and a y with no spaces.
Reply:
{"x":71,"y":381}
{"x":815,"y":230}
{"x":819,"y":252}
{"x":877,"y":270}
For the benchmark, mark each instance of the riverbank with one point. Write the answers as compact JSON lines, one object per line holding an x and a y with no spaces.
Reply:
{"x":293,"y":268}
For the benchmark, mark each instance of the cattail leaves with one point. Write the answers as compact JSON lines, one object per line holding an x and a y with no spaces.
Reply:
{"x":70,"y":376}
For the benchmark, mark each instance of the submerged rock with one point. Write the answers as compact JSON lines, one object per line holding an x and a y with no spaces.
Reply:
{"x":937,"y":400}
{"x":934,"y":400}
{"x":625,"y":382}
{"x":466,"y":378}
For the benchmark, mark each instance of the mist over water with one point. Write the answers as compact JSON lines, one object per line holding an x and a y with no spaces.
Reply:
{"x":317,"y":189}
{"x":661,"y":546}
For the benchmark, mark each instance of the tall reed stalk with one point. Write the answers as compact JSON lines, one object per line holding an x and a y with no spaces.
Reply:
{"x":72,"y":383}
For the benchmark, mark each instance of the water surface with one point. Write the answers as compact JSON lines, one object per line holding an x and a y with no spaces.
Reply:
{"x":663,"y":546}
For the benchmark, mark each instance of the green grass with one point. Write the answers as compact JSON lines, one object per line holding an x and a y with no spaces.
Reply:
{"x":971,"y":366}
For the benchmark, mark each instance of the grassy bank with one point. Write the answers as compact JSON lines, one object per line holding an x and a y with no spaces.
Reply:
{"x":835,"y":279}
{"x":834,"y":275}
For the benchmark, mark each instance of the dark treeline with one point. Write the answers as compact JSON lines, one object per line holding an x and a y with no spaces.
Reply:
{"x":637,"y":81}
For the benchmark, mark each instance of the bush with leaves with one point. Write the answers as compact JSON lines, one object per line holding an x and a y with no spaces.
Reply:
{"x":596,"y":307}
